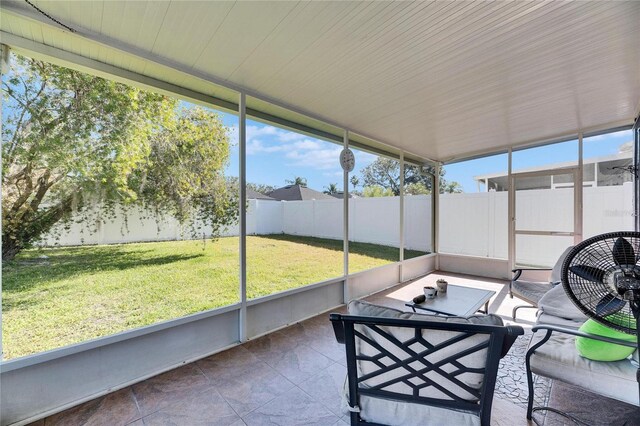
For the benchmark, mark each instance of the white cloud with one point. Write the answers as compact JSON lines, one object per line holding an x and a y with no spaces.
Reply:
{"x":320,"y":159}
{"x":307,"y":144}
{"x":233,"y":135}
{"x":300,"y":150}
{"x":620,"y":134}
{"x":256,"y":146}
{"x":363,"y":159}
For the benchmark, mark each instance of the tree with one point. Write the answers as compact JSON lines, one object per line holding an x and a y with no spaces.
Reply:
{"x":416,"y":189}
{"x":233,"y":183}
{"x":355,"y":181}
{"x":72,"y":141}
{"x":261,"y":187}
{"x":385,"y":172}
{"x":451,"y":188}
{"x":297,"y":181}
{"x":331,"y":189}
{"x":376,"y":191}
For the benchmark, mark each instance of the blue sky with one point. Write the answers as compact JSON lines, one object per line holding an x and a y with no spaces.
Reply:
{"x":275,"y":155}
{"x":595,"y":146}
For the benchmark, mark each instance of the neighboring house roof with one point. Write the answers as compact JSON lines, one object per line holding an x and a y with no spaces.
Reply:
{"x":340,"y":195}
{"x":255,"y":195}
{"x":298,"y":193}
{"x":597,"y":171}
{"x":602,"y":159}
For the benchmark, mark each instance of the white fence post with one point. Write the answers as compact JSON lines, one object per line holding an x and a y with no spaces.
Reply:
{"x":491,"y":225}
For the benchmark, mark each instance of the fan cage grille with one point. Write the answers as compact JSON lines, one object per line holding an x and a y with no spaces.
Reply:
{"x":606,"y":254}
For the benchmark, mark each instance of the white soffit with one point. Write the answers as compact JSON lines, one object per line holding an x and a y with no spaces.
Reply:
{"x":437,"y":79}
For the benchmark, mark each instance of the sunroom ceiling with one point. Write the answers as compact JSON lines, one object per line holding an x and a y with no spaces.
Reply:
{"x":437,"y":79}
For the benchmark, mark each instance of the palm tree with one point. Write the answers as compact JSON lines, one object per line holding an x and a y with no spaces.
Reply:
{"x":297,"y":181}
{"x":331,"y":189}
{"x":355,"y":181}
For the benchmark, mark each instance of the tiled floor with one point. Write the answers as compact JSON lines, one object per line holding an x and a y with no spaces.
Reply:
{"x":289,"y":377}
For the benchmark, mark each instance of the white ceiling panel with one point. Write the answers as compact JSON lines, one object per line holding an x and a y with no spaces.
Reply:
{"x":441,"y":80}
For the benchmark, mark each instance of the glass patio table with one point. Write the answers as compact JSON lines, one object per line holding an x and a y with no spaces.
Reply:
{"x":458,"y":301}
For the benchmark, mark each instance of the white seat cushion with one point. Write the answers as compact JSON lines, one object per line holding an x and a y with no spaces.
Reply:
{"x":556,"y":272}
{"x":392,"y":413}
{"x":544,"y":318}
{"x":556,"y":302}
{"x":559,"y":359}
{"x":366,"y":309}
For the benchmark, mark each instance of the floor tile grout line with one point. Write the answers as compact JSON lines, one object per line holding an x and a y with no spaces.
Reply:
{"x":229,"y":404}
{"x":297,"y":344}
{"x":339,"y":416}
{"x":197,"y":364}
{"x":321,"y":403}
{"x":267,"y":402}
{"x":135,"y":401}
{"x":173,"y":402}
{"x":318,"y":372}
{"x":274,"y":397}
{"x":289,"y":390}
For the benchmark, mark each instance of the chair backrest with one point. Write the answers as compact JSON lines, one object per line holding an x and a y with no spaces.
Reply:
{"x":556,"y":272}
{"x":446,"y":365}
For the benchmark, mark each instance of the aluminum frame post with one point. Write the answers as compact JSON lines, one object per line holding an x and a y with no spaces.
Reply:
{"x":242,"y":144}
{"x":345,"y":223}
{"x":401,"y":236}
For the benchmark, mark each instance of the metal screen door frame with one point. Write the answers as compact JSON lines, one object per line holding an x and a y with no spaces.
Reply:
{"x":576,"y":233}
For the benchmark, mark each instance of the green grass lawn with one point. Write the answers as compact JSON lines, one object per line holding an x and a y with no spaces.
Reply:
{"x":80,"y":293}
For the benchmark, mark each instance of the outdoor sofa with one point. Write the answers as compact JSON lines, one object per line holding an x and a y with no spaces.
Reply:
{"x":552,"y":353}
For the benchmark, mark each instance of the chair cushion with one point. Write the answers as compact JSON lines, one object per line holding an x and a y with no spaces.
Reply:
{"x":558,"y":359}
{"x":411,"y":413}
{"x":556,"y":302}
{"x":544,"y":318}
{"x":529,"y":291}
{"x":556,"y":272}
{"x":392,"y":413}
{"x":366,"y":309}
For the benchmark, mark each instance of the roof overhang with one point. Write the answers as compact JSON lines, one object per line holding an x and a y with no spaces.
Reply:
{"x":438,"y":80}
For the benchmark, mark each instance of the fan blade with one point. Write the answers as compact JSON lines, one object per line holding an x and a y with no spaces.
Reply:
{"x":623,"y":253}
{"x":609,"y":305}
{"x":589,"y":273}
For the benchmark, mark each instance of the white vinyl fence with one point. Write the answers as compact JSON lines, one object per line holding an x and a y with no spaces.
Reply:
{"x":474,"y":224}
{"x":372,"y":220}
{"x":477,"y":224}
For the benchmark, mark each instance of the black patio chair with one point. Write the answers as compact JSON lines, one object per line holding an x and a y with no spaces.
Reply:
{"x":532,"y":291}
{"x":403,"y":371}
